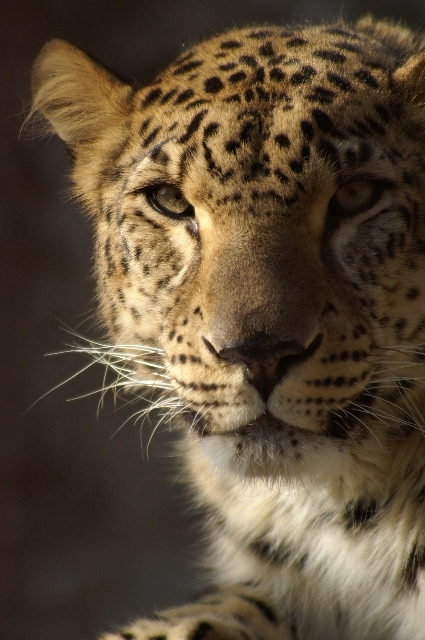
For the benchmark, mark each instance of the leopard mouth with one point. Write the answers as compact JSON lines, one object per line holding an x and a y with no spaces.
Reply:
{"x":265,"y":425}
{"x":340,"y":424}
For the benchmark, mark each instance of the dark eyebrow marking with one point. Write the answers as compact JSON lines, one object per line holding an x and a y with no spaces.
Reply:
{"x":153,"y":152}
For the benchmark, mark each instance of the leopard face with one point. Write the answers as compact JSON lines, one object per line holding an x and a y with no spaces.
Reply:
{"x":259,"y":217}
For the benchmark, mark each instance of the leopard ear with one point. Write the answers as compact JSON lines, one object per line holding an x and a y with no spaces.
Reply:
{"x":409,"y":80}
{"x":77,"y":96}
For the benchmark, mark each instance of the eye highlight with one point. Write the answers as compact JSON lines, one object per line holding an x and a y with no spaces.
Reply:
{"x":356,"y":197}
{"x":169,"y":200}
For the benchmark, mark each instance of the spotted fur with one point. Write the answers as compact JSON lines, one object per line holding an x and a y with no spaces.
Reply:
{"x":290,"y":326}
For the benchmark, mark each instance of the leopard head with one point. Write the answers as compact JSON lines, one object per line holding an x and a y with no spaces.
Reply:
{"x":259,"y":217}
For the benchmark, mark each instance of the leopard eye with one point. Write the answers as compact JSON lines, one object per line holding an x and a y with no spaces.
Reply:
{"x":356,"y":197}
{"x":170,"y":201}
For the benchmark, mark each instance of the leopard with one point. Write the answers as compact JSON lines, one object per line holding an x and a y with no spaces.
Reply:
{"x":258,"y":212}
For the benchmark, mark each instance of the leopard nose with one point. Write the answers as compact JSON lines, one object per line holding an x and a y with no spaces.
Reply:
{"x":267,"y":358}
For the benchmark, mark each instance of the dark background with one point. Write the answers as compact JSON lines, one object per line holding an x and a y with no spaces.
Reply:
{"x":91,"y":532}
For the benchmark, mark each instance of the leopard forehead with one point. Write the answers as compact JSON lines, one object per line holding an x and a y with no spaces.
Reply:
{"x":236,"y":102}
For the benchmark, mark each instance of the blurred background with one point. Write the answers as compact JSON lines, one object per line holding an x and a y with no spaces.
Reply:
{"x":92,"y":532}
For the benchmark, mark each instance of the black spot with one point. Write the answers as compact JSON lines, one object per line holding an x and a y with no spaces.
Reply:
{"x":339,"y":81}
{"x":267,"y":612}
{"x":184,"y":96}
{"x":321,"y":95}
{"x":127,"y":635}
{"x":324,"y":123}
{"x":246,"y":131}
{"x":406,"y":214}
{"x":193,"y":126}
{"x":228,"y":66}
{"x":296,"y":166}
{"x":296,"y":42}
{"x":124,"y":264}
{"x":167,"y":96}
{"x":160,"y":637}
{"x":294,"y":632}
{"x":202,"y":630}
{"x":304,"y":75}
{"x":307,"y":129}
{"x":277,"y":74}
{"x":237,"y":77}
{"x":262,"y":94}
{"x":196,"y":103}
{"x":283,"y":179}
{"x":391,"y":246}
{"x":152,"y":96}
{"x":231,"y":44}
{"x":213,"y":84}
{"x":358,"y":513}
{"x":332,"y":56}
{"x":365,"y":152}
{"x":266,"y":50}
{"x":414,"y":563}
{"x":211,"y":129}
{"x":382,"y":113}
{"x":249,"y":95}
{"x":305,"y":153}
{"x":146,"y":269}
{"x":144,"y":126}
{"x":350,"y":156}
{"x":158,"y":155}
{"x":375,"y":126}
{"x":260,"y":34}
{"x":233,"y":98}
{"x":274,"y":555}
{"x":250,"y":61}
{"x":399,"y":327}
{"x":412,"y":293}
{"x":407,"y":177}
{"x":260,"y":75}
{"x":282,"y":141}
{"x":365,"y":77}
{"x":232,"y":145}
{"x":258,"y":168}
{"x":185,"y":68}
{"x":419,"y":246}
{"x":329,"y":308}
{"x":151,"y":137}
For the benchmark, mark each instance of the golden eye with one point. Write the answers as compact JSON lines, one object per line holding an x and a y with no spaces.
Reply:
{"x":170,"y":201}
{"x":356,"y":197}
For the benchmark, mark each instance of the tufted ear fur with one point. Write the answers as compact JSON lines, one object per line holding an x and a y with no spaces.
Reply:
{"x":394,"y":36}
{"x":76,"y":95}
{"x":409,"y":80}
